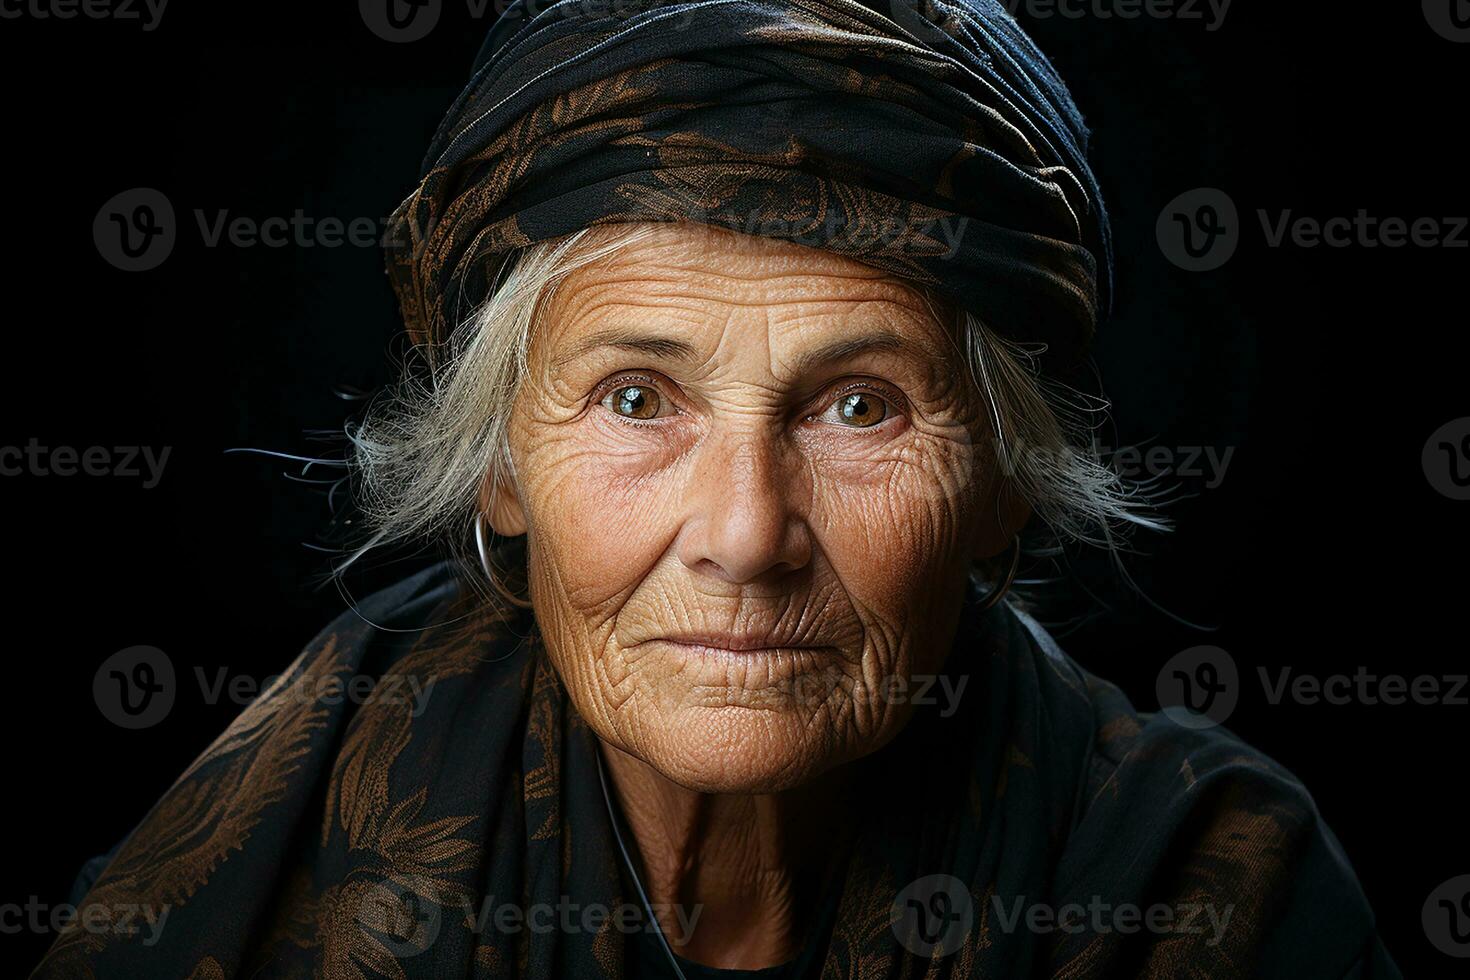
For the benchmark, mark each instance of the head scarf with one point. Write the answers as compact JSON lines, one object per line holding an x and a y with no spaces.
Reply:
{"x":932,"y":141}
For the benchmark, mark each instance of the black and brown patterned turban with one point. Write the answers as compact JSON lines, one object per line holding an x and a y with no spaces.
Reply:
{"x":934,"y":142}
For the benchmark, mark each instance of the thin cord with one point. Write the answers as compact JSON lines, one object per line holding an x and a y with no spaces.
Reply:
{"x":637,"y":885}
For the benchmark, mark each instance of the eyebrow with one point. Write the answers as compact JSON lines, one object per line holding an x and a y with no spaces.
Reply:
{"x":622,"y":339}
{"x":672,"y":348}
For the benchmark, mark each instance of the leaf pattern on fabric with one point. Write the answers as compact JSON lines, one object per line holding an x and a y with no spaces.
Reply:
{"x":210,"y":811}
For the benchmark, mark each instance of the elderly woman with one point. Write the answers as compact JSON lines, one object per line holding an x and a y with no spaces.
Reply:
{"x":741,"y":321}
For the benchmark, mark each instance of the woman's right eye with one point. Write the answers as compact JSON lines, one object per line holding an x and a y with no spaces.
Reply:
{"x":636,"y":401}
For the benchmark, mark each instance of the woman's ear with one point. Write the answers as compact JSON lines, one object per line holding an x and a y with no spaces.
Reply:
{"x":1006,"y":513}
{"x":502,"y":505}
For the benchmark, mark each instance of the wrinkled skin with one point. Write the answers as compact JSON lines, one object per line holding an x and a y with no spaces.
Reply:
{"x":830,"y":506}
{"x":734,"y":491}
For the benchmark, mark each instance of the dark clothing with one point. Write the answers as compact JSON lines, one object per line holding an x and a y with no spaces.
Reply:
{"x":1027,"y":832}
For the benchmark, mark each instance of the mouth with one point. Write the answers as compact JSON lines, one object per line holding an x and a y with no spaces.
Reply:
{"x":745,"y":671}
{"x":738,"y":643}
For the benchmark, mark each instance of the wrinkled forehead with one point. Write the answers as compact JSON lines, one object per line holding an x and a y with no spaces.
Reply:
{"x":710,"y":296}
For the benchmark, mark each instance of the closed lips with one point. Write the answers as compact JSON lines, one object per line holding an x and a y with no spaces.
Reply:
{"x":738,"y":642}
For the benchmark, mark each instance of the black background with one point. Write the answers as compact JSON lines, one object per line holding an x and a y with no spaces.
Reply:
{"x":1324,"y":548}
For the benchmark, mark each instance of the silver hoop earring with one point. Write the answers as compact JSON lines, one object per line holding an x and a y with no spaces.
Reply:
{"x":995,"y":594}
{"x":480,"y":522}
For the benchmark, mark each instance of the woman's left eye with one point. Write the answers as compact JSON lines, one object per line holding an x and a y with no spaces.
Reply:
{"x":859,"y":409}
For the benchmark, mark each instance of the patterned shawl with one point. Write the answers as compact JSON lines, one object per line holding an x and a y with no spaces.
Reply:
{"x":379,"y":835}
{"x":931,"y":139}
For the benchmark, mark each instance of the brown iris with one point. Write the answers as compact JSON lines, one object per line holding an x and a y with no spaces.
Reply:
{"x":636,"y":401}
{"x":861,"y":409}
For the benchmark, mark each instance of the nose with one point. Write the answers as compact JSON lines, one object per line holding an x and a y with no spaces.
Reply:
{"x":744,"y":520}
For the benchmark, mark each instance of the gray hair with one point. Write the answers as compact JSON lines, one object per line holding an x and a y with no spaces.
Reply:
{"x":425,"y":447}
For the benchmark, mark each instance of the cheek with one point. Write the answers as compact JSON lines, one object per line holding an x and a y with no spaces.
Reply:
{"x":899,"y":517}
{"x":601,"y":507}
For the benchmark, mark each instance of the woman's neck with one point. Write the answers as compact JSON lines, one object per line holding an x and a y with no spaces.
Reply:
{"x":735,"y":880}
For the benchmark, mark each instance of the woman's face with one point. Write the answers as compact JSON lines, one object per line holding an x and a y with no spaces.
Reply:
{"x":753,"y":476}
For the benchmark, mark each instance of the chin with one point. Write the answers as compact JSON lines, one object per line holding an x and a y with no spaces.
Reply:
{"x":748,"y":750}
